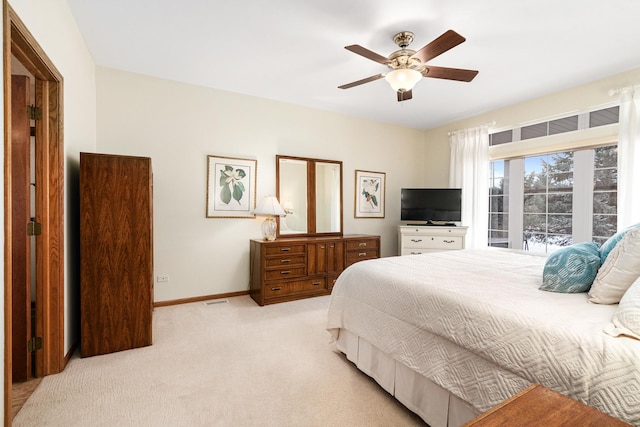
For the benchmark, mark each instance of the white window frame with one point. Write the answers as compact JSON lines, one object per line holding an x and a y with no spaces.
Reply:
{"x":582,"y":215}
{"x":582,"y":142}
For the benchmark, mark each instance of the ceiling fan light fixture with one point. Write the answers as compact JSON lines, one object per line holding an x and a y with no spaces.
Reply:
{"x":403,"y":79}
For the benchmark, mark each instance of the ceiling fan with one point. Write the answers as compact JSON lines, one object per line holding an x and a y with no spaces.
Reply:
{"x":409,"y":66}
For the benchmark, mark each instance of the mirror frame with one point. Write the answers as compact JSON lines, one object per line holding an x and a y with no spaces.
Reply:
{"x":311,"y":197}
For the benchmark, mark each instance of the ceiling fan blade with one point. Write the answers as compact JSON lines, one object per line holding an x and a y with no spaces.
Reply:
{"x":404,"y":96}
{"x":458,"y":74}
{"x":446,"y":41}
{"x":363,"y":51}
{"x":363,"y":81}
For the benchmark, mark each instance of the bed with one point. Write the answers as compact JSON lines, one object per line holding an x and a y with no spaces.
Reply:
{"x":452,"y":334}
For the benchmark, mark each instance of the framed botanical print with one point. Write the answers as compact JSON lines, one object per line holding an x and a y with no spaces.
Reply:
{"x":370,"y":188}
{"x":231,"y":187}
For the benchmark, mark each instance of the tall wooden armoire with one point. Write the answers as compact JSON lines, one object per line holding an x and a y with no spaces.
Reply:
{"x":116,"y":253}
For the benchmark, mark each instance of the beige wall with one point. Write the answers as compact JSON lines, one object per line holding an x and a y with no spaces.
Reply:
{"x":572,"y":101}
{"x":178,"y":125}
{"x":54,"y":28}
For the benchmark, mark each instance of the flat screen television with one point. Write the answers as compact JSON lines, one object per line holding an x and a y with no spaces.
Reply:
{"x":431,"y":205}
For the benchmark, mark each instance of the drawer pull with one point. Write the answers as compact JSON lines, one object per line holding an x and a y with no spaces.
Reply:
{"x":321,"y":246}
{"x":285,"y":272}
{"x":362,"y":254}
{"x":277,"y":288}
{"x":416,"y":253}
{"x":362,"y":244}
{"x":285,"y":261}
{"x":285,"y":249}
{"x":316,"y":283}
{"x":416,"y":240}
{"x":448,"y":241}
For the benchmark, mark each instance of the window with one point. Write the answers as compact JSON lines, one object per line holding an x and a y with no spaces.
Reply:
{"x":501,"y":137}
{"x":565,"y":124}
{"x":605,"y":116}
{"x":605,"y":195}
{"x":558,"y":198}
{"x":498,"y":205}
{"x":544,"y":202}
{"x":548,"y":201}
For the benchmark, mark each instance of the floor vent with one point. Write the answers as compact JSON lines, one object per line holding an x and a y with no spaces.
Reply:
{"x":217,"y":301}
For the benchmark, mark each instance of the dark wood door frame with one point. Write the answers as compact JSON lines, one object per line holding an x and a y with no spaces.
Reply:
{"x":49,"y":204}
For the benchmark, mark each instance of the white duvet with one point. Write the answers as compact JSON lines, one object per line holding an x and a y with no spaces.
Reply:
{"x":475,"y":322}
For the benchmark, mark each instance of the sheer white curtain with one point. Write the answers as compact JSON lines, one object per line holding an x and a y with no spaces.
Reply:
{"x":469,"y":170}
{"x":629,"y":158}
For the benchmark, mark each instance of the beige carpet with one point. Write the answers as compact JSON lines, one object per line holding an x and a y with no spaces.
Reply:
{"x":229,"y":364}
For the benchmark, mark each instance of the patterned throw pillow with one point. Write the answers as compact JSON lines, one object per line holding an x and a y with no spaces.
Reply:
{"x":619,"y":271}
{"x":571,"y":269}
{"x":626,"y":320}
{"x":611,"y":243}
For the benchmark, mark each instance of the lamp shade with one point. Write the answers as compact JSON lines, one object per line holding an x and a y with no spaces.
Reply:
{"x":403,"y":79}
{"x":269,"y":206}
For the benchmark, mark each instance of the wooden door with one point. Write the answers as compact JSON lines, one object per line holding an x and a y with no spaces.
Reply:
{"x":335,"y":257}
{"x":20,"y":198}
{"x":317,"y":258}
{"x":116,"y":253}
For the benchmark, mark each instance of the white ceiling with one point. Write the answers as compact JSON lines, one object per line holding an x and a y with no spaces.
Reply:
{"x":293,"y":50}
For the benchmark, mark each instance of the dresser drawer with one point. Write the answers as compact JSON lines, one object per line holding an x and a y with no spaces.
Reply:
{"x":285,"y":261}
{"x":415,"y":241}
{"x":359,"y":244}
{"x":285,"y":273}
{"x":355,"y":256}
{"x":295,"y":287}
{"x":417,"y":251}
{"x":432,"y":242}
{"x":298,"y":248}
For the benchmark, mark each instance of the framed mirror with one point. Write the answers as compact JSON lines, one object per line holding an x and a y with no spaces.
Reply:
{"x":310,"y":192}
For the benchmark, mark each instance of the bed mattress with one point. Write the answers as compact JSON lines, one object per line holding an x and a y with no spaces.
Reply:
{"x":475,"y":323}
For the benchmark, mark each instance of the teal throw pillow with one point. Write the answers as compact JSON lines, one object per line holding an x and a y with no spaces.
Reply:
{"x":611,"y":243}
{"x":571,"y":269}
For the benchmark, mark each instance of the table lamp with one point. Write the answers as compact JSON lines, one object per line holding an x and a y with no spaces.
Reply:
{"x":269,"y":206}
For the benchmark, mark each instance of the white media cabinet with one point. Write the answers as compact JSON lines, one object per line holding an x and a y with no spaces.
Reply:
{"x":420,"y":239}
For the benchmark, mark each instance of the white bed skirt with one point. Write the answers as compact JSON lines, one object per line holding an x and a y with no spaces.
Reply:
{"x":435,"y":405}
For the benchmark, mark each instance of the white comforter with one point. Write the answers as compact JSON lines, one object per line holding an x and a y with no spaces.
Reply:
{"x":475,"y":322}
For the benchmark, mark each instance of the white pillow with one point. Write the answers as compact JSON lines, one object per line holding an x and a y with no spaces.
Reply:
{"x":619,"y":271}
{"x":626,"y":320}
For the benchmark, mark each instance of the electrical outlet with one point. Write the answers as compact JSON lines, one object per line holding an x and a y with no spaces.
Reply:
{"x":162,"y":278}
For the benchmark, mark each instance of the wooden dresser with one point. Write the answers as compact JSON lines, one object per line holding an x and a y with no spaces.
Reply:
{"x":116,"y":253}
{"x":293,"y":268}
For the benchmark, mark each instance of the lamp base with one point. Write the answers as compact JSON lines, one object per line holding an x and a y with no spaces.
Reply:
{"x":269,"y":228}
